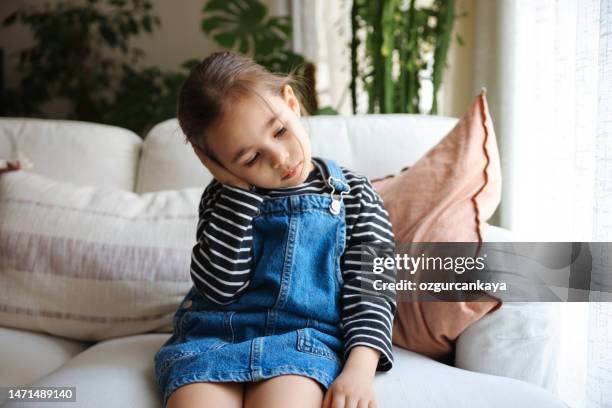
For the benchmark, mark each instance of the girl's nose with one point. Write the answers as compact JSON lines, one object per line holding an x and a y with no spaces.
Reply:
{"x":278,"y":158}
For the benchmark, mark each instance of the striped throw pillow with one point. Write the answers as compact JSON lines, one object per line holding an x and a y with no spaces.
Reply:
{"x":92,"y":263}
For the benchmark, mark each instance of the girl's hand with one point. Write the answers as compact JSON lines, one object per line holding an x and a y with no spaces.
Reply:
{"x":6,"y":166}
{"x":218,"y":172}
{"x":352,"y":389}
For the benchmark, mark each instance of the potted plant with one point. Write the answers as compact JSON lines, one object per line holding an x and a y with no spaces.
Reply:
{"x":401,"y":42}
{"x":82,"y":54}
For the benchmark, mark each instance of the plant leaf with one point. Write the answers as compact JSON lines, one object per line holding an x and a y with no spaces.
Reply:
{"x":10,"y":19}
{"x":190,"y":63}
{"x":215,"y":5}
{"x":108,"y":34}
{"x":257,"y":10}
{"x":225,"y":39}
{"x":211,"y":23}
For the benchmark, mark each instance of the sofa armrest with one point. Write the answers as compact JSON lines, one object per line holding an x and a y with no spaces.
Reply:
{"x":493,"y":233}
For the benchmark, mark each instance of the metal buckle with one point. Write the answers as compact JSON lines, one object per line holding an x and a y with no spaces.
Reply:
{"x":336,"y":203}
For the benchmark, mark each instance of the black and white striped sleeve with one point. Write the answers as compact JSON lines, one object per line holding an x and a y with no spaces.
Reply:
{"x":367,"y":313}
{"x":222,"y":258}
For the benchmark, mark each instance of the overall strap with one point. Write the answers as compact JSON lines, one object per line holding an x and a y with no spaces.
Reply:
{"x":334,"y":177}
{"x":337,"y":183}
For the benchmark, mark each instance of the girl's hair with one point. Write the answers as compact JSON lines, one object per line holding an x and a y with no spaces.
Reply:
{"x":217,"y":82}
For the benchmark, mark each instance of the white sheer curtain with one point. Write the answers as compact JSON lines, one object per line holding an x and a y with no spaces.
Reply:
{"x":548,"y":67}
{"x":322,"y":32}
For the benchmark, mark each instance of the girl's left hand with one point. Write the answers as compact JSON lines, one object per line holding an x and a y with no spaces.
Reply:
{"x":352,"y":389}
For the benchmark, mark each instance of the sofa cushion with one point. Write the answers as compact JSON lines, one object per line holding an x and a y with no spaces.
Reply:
{"x":92,"y":263}
{"x":530,"y":330}
{"x":167,"y":162}
{"x":27,"y":356}
{"x":447,"y":196}
{"x":79,"y":152}
{"x":115,"y":373}
{"x":375,"y":145}
{"x":125,"y":366}
{"x":360,"y":143}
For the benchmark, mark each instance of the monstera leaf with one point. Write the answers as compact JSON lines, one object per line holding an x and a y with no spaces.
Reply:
{"x":281,"y":61}
{"x":243,"y":25}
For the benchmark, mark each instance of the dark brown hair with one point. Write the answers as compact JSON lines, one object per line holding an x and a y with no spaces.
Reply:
{"x":217,"y":82}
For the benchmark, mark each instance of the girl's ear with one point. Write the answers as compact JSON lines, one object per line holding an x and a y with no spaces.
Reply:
{"x":291,"y":99}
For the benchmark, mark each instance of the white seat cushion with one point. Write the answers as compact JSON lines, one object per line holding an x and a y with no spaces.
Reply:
{"x":115,"y":373}
{"x":119,"y":373}
{"x":417,"y":381}
{"x":27,"y":356}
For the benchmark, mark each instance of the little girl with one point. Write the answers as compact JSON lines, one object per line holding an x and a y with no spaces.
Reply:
{"x":282,"y":312}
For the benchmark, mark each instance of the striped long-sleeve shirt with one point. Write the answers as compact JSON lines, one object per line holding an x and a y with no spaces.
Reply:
{"x":222,"y":257}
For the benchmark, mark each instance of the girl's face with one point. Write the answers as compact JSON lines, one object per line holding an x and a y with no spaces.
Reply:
{"x":264,"y":146}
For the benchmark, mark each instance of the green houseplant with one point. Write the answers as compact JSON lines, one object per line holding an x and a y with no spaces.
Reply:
{"x":244,"y":26}
{"x":401,"y":39}
{"x":82,"y":55}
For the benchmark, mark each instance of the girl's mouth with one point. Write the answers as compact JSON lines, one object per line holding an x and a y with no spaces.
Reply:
{"x":293,"y":172}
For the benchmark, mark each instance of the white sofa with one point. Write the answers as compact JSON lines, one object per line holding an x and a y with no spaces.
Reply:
{"x":516,"y":341}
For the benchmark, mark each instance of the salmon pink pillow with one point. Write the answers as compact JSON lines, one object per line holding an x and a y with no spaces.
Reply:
{"x":447,"y":196}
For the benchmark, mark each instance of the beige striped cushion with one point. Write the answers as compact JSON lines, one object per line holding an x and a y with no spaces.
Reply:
{"x":92,"y":263}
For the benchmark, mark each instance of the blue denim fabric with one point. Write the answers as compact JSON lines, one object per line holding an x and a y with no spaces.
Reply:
{"x":287,"y":321}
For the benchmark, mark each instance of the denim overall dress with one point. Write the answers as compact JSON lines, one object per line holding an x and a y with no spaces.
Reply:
{"x":288,"y":320}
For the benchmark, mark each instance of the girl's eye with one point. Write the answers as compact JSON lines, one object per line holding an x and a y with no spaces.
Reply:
{"x":252,"y":160}
{"x":280,"y":131}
